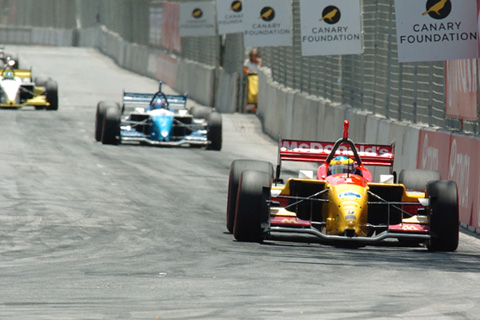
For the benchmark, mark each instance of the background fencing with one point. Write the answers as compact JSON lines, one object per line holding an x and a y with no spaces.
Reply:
{"x":374,"y":81}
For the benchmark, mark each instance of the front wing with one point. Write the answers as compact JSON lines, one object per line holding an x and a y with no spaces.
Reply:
{"x":411,"y":226}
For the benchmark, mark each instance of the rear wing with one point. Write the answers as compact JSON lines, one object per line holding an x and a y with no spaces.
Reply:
{"x":318,"y":151}
{"x":174,"y":100}
{"x":179,"y":101}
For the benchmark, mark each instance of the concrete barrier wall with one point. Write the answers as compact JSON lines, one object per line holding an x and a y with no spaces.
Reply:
{"x":226,"y":92}
{"x":185,"y":76}
{"x":197,"y":80}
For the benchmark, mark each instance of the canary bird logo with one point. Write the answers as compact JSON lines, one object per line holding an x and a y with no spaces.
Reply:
{"x":438,"y":9}
{"x":331,"y":15}
{"x":236,"y":6}
{"x":197,"y":13}
{"x":267,"y":14}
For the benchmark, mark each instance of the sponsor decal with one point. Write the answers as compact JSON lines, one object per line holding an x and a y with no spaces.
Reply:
{"x":326,"y":148}
{"x":350,"y":217}
{"x":229,"y":16}
{"x":197,"y":19}
{"x":197,"y":13}
{"x":331,"y":15}
{"x":429,"y":155}
{"x":459,"y":171}
{"x":236,"y":6}
{"x":267,"y":14}
{"x":461,"y":89}
{"x":349,"y":194}
{"x":267,"y":23}
{"x":328,"y":29}
{"x":429,"y":30}
{"x":438,"y":9}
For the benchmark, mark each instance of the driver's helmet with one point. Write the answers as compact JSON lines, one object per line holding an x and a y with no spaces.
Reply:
{"x":158,"y":103}
{"x":9,"y":75}
{"x":341,"y":164}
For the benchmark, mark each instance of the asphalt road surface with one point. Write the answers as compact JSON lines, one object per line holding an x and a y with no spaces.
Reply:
{"x":89,"y":231}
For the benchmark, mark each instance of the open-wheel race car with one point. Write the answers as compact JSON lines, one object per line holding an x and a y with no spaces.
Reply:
{"x":158,"y":119}
{"x":17,"y":89}
{"x":342,"y":205}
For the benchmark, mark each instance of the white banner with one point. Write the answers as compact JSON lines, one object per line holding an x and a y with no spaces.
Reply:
{"x":230,"y":16}
{"x":197,"y":19}
{"x":331,"y":27}
{"x":267,"y":23}
{"x":436,"y":30}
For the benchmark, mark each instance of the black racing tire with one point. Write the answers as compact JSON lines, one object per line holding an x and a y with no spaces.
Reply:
{"x":417,"y":179}
{"x":200,"y":112}
{"x":252,"y":208}
{"x":102,"y":106}
{"x":443,"y":215}
{"x":111,"y":126}
{"x":214,"y":131}
{"x":51,"y":90}
{"x":41,"y":81}
{"x":236,"y":169}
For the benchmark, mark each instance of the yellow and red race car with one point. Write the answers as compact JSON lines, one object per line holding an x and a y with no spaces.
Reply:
{"x":341,"y":204}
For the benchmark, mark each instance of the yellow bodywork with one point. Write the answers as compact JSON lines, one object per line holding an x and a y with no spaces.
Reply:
{"x":346,"y":209}
{"x":39,"y":99}
{"x":346,"y":206}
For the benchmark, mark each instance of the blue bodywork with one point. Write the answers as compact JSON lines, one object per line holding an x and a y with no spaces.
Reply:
{"x":162,"y":125}
{"x":170,"y":124}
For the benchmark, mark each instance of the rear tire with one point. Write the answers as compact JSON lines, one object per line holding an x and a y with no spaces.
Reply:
{"x":52,"y":94}
{"x":443,"y":214}
{"x":214,"y":131}
{"x":102,"y":106}
{"x":111,"y":126}
{"x":252,"y":207}
{"x":200,"y":112}
{"x":236,"y":169}
{"x":417,"y":179}
{"x":41,"y":81}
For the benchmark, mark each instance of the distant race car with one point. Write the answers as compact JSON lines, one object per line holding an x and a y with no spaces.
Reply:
{"x":159,"y":119}
{"x":18,"y":90}
{"x":5,"y":57}
{"x":341,"y":205}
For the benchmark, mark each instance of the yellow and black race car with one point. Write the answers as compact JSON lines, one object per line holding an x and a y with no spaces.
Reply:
{"x":17,"y":89}
{"x":341,"y":204}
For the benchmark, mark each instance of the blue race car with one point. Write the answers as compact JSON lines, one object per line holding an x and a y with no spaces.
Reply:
{"x":158,"y":119}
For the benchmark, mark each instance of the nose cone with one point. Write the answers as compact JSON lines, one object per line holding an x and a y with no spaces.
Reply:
{"x":10,"y":88}
{"x":349,"y":206}
{"x":162,"y":122}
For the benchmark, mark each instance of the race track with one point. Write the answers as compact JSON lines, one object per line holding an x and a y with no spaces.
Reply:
{"x":89,"y":231}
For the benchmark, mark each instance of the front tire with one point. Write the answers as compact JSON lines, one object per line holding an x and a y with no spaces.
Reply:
{"x":111,"y":126}
{"x":41,"y":81}
{"x":102,"y":106}
{"x":252,"y":208}
{"x":200,"y":112}
{"x":444,"y":216}
{"x":236,"y":169}
{"x":51,"y":89}
{"x":214,"y":131}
